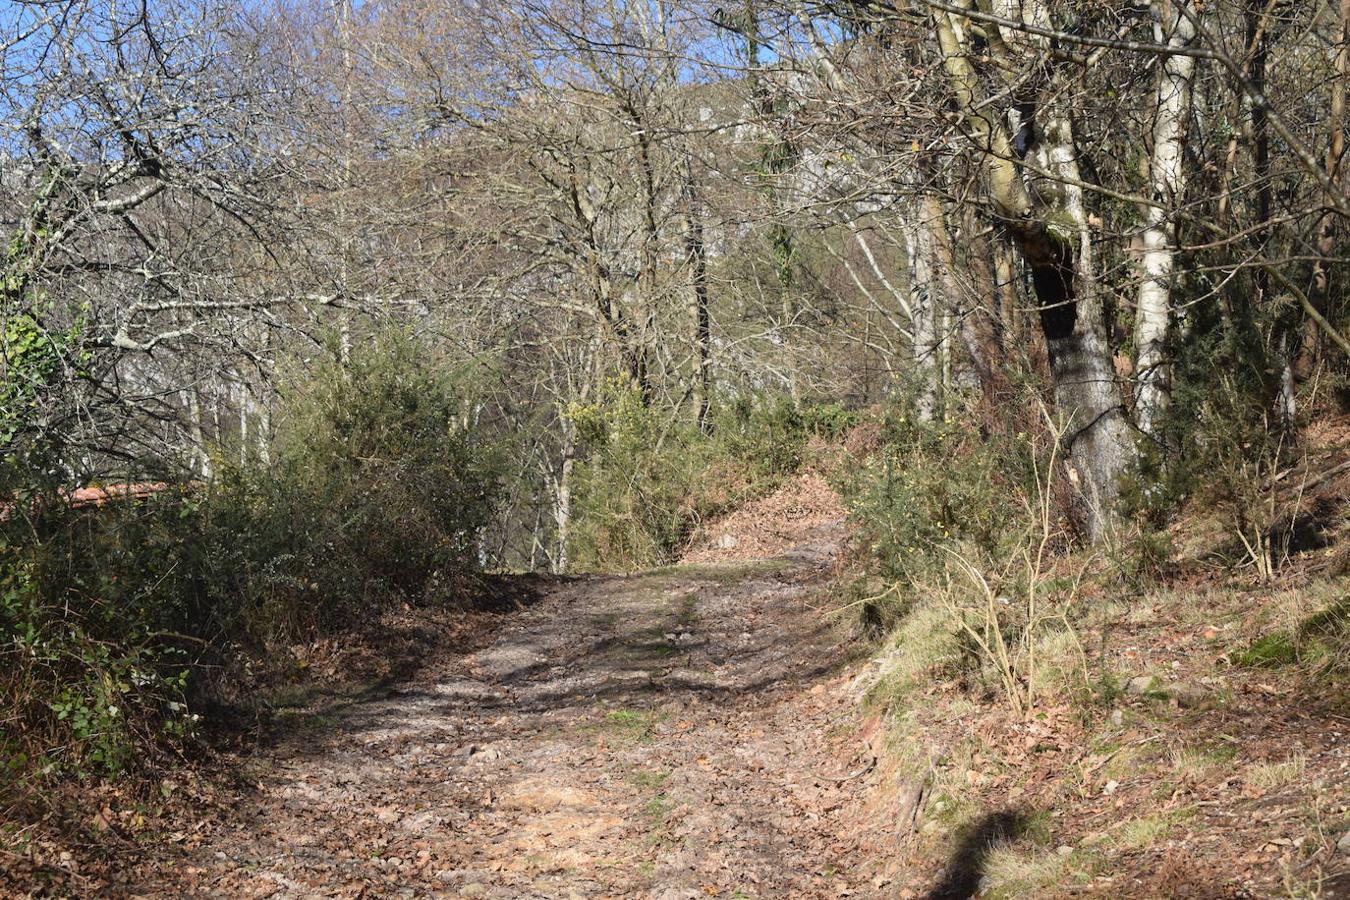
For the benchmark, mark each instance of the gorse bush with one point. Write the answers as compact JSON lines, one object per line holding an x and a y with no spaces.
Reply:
{"x":963,"y":536}
{"x":1222,"y":440}
{"x":934,"y":483}
{"x":649,"y":478}
{"x":771,"y":435}
{"x":632,"y":491}
{"x":376,"y":489}
{"x":119,"y":623}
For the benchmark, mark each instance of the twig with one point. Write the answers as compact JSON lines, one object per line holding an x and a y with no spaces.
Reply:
{"x":871,"y":764}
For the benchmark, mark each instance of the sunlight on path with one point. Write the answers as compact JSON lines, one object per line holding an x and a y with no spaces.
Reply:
{"x":660,"y":735}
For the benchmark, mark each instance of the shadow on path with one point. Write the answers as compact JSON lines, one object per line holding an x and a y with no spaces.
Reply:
{"x":407,"y":646}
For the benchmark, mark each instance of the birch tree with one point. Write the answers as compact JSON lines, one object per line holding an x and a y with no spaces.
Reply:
{"x":1167,"y":168}
{"x":1050,"y":230}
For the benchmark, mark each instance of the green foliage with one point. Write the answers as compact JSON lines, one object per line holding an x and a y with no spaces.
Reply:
{"x":119,"y":622}
{"x":934,"y":484}
{"x":648,"y":479}
{"x":966,"y":540}
{"x":632,"y":492}
{"x":1272,"y":650}
{"x":377,"y":488}
{"x":92,"y":606}
{"x":1220,"y":443}
{"x":1320,"y":645}
{"x":1142,"y":556}
{"x":32,"y":359}
{"x":771,"y":435}
{"x":1221,"y":434}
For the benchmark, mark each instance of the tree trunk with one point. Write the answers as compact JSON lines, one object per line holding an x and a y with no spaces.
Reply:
{"x":976,"y":328}
{"x":562,"y":503}
{"x":1097,"y":434}
{"x":1168,"y":174}
{"x":1281,"y":391}
{"x":925,"y":343}
{"x":1320,"y":294}
{"x":244,"y":404}
{"x":1054,"y":243}
{"x":702,"y":327}
{"x":200,"y":455}
{"x":697,"y":253}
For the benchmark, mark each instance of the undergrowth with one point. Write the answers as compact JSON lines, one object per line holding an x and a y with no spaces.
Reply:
{"x":649,"y":477}
{"x":994,"y":623}
{"x":125,"y":626}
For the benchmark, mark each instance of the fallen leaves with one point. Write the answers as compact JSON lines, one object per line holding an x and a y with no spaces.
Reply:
{"x":514,"y":770}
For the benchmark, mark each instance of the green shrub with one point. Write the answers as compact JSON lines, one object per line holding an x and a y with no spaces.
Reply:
{"x":934,"y":484}
{"x":967,"y":541}
{"x":119,"y":623}
{"x":376,"y":490}
{"x":1220,"y":442}
{"x":36,"y":361}
{"x":769,"y":436}
{"x":648,"y":478}
{"x":632,"y":491}
{"x":102,"y":620}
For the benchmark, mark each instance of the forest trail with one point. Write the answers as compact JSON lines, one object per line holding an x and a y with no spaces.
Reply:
{"x":679,"y":733}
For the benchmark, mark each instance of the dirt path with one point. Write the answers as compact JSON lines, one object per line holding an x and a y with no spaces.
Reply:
{"x":675,"y":734}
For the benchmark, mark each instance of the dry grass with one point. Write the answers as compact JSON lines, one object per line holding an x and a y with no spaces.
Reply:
{"x":1012,"y":872}
{"x":1062,"y":666}
{"x":924,"y":642}
{"x":1269,"y":776}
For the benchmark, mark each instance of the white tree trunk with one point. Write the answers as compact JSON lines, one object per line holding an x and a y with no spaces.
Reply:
{"x":1060,"y":266}
{"x":245,"y":406}
{"x":1158,"y":239}
{"x":1086,"y":388}
{"x":562,"y":501}
{"x":201,"y":456}
{"x":923,"y":316}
